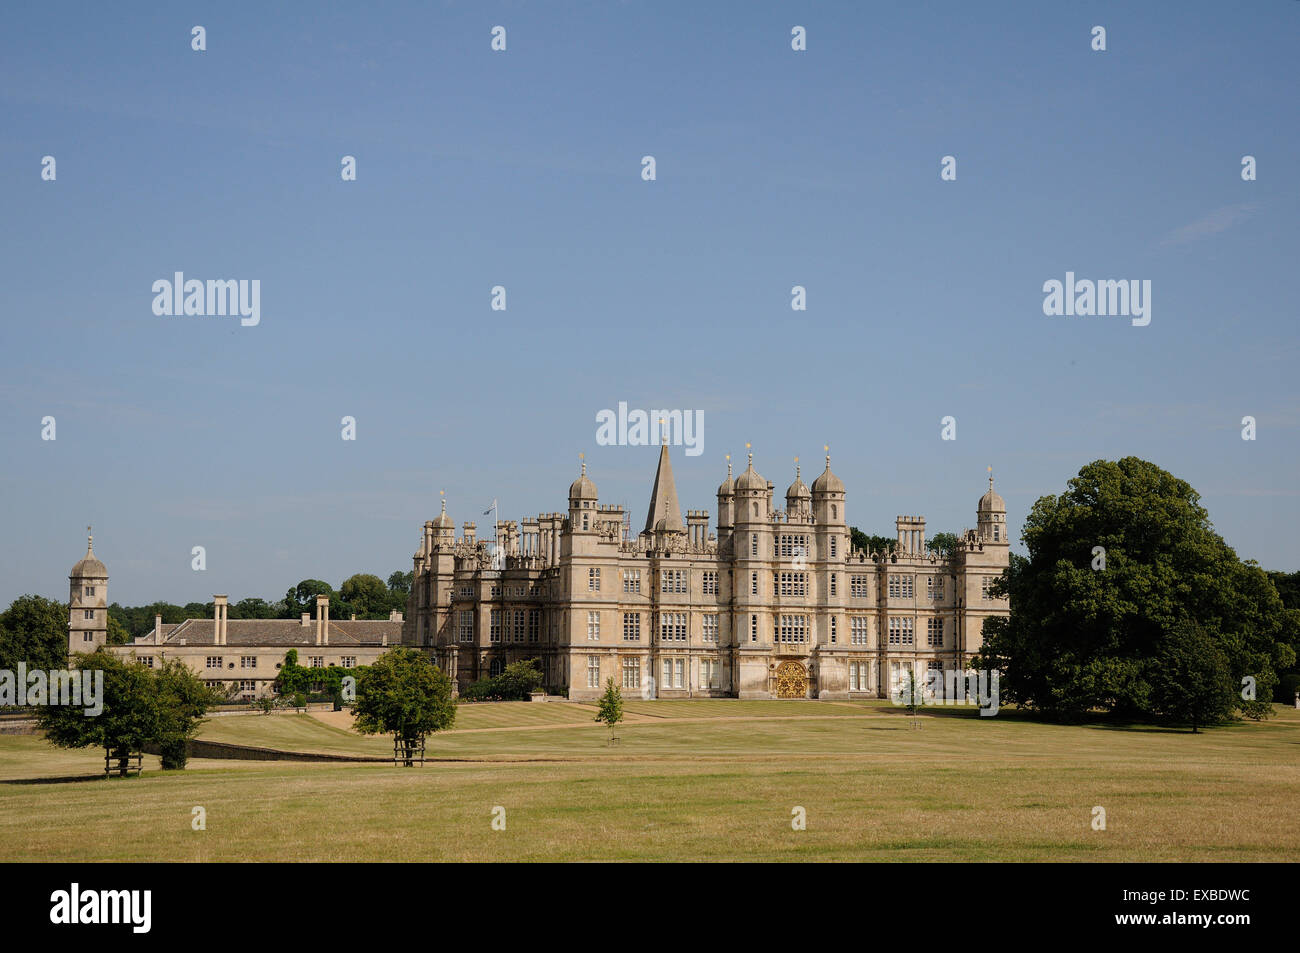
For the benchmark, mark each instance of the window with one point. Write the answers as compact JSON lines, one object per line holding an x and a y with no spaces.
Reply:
{"x":672,"y":580}
{"x":900,"y":631}
{"x":466,"y":592}
{"x":631,"y":627}
{"x":631,"y":580}
{"x":858,"y":630}
{"x":213,"y":661}
{"x":900,"y":587}
{"x":519,"y":625}
{"x":674,"y":673}
{"x":593,"y":626}
{"x":593,"y":671}
{"x":934,"y":587}
{"x":496,"y":591}
{"x":834,"y":630}
{"x":585,"y":519}
{"x":247,"y":686}
{"x":88,"y":614}
{"x":90,"y":590}
{"x":631,"y":673}
{"x":534,"y":624}
{"x":710,"y":583}
{"x":466,"y":625}
{"x":833,"y":585}
{"x":858,"y":676}
{"x":794,"y":583}
{"x":593,"y":579}
{"x":986,"y":583}
{"x":835,"y":513}
{"x":494,"y":626}
{"x":147,"y":661}
{"x":349,"y":661}
{"x":834,"y":540}
{"x":316,"y":661}
{"x":996,"y":533}
{"x":88,"y":637}
{"x":753,"y":583}
{"x":792,"y":545}
{"x":710,"y":627}
{"x":248,"y":661}
{"x":934,"y":633}
{"x":708,"y":673}
{"x":858,"y":587}
{"x":496,"y":667}
{"x":794,"y":628}
{"x":753,"y":628}
{"x":753,"y":539}
{"x":672,"y":627}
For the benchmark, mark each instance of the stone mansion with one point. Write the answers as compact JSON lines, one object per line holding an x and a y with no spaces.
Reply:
{"x":773,"y":604}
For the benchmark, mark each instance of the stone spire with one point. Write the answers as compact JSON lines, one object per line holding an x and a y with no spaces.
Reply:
{"x":665,"y":515}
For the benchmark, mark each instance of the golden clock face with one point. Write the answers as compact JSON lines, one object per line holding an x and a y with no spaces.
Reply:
{"x":791,"y":680}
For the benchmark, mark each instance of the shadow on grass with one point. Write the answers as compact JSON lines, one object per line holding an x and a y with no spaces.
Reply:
{"x":64,"y":780}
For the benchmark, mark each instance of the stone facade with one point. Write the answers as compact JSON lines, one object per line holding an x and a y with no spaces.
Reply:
{"x":773,"y":604}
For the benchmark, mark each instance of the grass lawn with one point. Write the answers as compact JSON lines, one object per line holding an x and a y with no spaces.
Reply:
{"x":700,"y":780}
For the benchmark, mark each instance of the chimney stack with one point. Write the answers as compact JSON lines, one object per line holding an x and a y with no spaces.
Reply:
{"x":219,"y":610}
{"x":157,"y":629}
{"x":322,"y":620}
{"x":306,"y":619}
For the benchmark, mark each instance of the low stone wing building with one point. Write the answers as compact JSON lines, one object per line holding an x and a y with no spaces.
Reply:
{"x":774,"y":603}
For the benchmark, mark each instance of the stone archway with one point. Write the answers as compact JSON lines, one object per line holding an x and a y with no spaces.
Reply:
{"x":791,"y":680}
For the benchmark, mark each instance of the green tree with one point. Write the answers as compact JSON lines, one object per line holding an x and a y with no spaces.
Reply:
{"x":131,"y":714}
{"x":611,"y":706}
{"x":34,"y":630}
{"x":401,"y":582}
{"x":117,"y":632}
{"x":252,"y":608}
{"x":871,"y":544}
{"x":182,"y":700}
{"x":302,"y":597}
{"x":1080,"y":639}
{"x":367,"y":596}
{"x":404,"y":694}
{"x":1191,"y":682}
{"x":942,"y":542}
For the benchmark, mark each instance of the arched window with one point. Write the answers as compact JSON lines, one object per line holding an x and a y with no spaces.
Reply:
{"x":755,"y":505}
{"x":835,"y":513}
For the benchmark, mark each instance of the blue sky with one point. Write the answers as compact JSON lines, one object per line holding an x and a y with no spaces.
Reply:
{"x":775,"y":168}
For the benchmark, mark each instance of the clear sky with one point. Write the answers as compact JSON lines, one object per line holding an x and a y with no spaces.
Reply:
{"x":522,"y":168}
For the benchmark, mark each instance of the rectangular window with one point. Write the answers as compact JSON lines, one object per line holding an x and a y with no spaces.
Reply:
{"x":859,"y":676}
{"x":794,"y":628}
{"x":833,"y":584}
{"x":632,"y":673}
{"x":753,"y":628}
{"x":900,"y":587}
{"x":494,"y":626}
{"x":834,"y":548}
{"x":519,"y":625}
{"x":631,"y":627}
{"x":858,"y":587}
{"x":986,"y":583}
{"x":496,"y":591}
{"x":213,"y":661}
{"x":248,"y":661}
{"x":834,"y":632}
{"x":753,"y":544}
{"x":90,"y":590}
{"x":708,"y":673}
{"x":934,"y":633}
{"x":668,"y":673}
{"x":901,"y":631}
{"x":349,"y":661}
{"x":858,"y":630}
{"x":593,"y":671}
{"x":672,"y":626}
{"x":679,"y":673}
{"x":247,"y":686}
{"x":631,"y":580}
{"x":593,"y":626}
{"x":147,"y":660}
{"x":710,"y":587}
{"x":794,"y":583}
{"x":534,"y":624}
{"x":593,"y":580}
{"x":934,"y":588}
{"x":316,"y":661}
{"x":753,"y":583}
{"x":710,"y":628}
{"x":88,"y":614}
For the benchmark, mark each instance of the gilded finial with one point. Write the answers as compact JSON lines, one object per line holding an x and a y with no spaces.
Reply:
{"x":443,"y":495}
{"x":663,"y":431}
{"x":748,"y":445}
{"x":827,"y":448}
{"x":990,"y":478}
{"x":728,"y":466}
{"x":583,"y":458}
{"x":796,"y":468}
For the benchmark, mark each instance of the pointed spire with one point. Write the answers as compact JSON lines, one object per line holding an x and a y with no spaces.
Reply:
{"x":663,"y":499}
{"x":90,"y":541}
{"x":827,"y":448}
{"x":751,"y":454}
{"x":443,"y":494}
{"x":990,"y":478}
{"x":797,"y":477}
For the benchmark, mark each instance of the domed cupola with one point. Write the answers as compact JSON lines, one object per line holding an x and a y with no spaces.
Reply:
{"x":992,"y":502}
{"x":828,"y":482}
{"x":797,"y":498}
{"x":991,"y":516}
{"x":582,"y":488}
{"x":750,"y":479}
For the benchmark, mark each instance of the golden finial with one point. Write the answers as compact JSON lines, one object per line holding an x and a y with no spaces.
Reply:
{"x":728,"y":466}
{"x":583,"y":458}
{"x":443,"y":495}
{"x":663,"y":431}
{"x":796,"y":468}
{"x":990,"y":478}
{"x":751,"y":454}
{"x":827,"y":448}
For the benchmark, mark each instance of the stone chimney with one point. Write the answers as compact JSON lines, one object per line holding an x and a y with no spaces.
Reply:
{"x":157,"y":629}
{"x":306,"y":619}
{"x":322,"y":620}
{"x":219,"y":610}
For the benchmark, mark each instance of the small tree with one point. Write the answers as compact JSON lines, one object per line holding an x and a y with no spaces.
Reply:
{"x":131,"y":714}
{"x":404,"y":694}
{"x":910,"y":694}
{"x":183,"y":700}
{"x":611,"y":706}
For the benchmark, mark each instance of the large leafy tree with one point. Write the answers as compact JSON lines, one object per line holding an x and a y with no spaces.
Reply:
{"x":871,"y":544}
{"x":131,"y":712}
{"x":942,"y":542}
{"x":34,"y":630}
{"x":404,"y":694}
{"x":1191,"y":682}
{"x":1080,"y":638}
{"x":367,"y":595}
